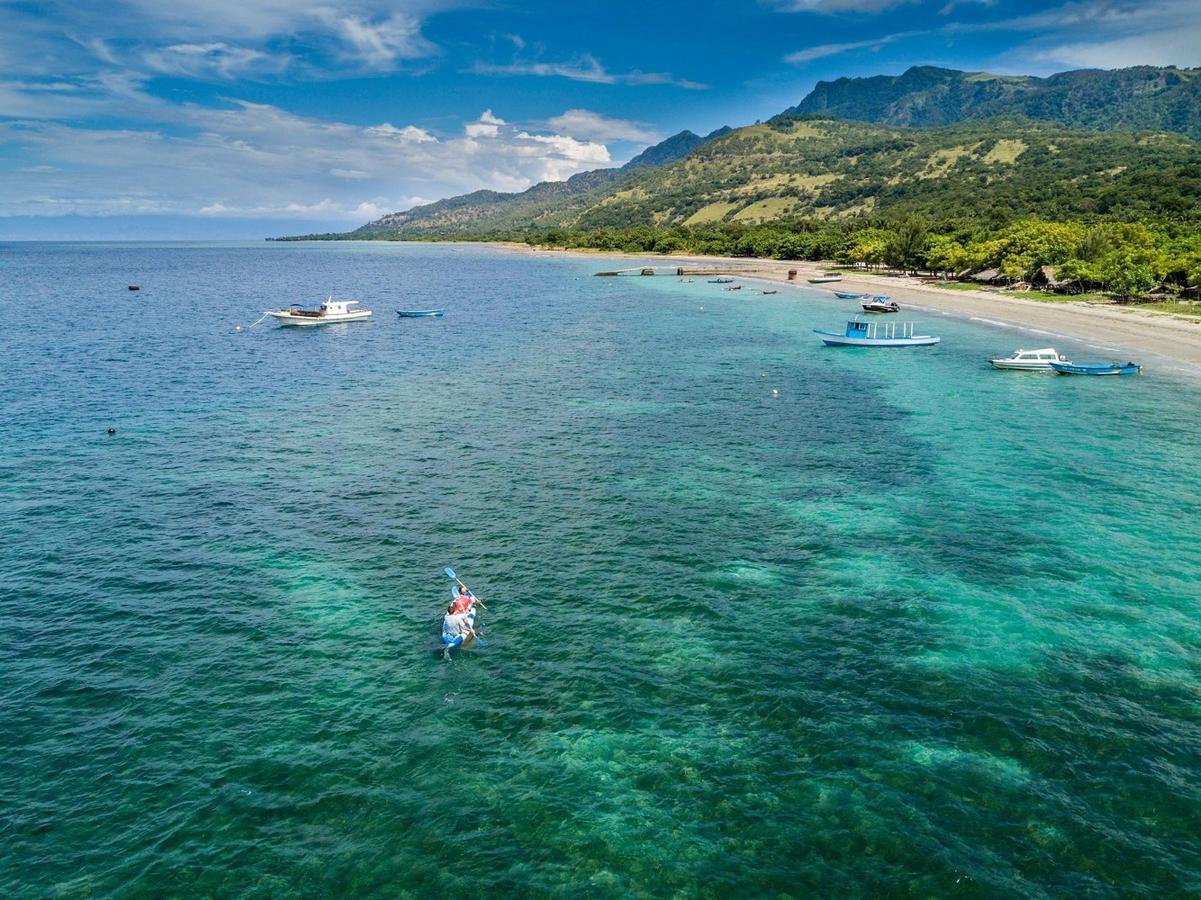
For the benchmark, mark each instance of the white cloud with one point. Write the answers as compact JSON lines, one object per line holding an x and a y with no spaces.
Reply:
{"x":583,"y":123}
{"x":585,"y":68}
{"x":1174,"y":47}
{"x":488,"y":125}
{"x":837,"y":6}
{"x":214,"y":60}
{"x":252,"y":160}
{"x":821,"y":51}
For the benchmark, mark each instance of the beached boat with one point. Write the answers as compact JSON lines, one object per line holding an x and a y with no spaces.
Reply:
{"x":770,"y":292}
{"x":1030,"y":360}
{"x":419,"y":313}
{"x":880,"y":304}
{"x":826,"y":279}
{"x":721,"y":280}
{"x":1126,"y":368}
{"x":843,"y":295}
{"x":877,"y":334}
{"x":328,"y":313}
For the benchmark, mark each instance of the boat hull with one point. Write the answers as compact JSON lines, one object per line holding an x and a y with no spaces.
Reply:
{"x":419,"y":313}
{"x":1097,"y":368}
{"x":1020,"y":366}
{"x":843,"y":295}
{"x":824,"y":280}
{"x":830,"y":339}
{"x":295,"y":321}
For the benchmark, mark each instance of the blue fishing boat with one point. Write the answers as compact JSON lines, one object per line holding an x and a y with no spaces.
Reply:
{"x":877,"y":334}
{"x":419,"y":313}
{"x":1069,"y":368}
{"x":843,"y":295}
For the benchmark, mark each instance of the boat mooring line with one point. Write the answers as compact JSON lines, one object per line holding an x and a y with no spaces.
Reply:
{"x":259,"y":319}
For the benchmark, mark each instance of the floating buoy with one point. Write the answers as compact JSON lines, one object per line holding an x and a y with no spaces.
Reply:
{"x":237,"y":328}
{"x":112,"y":430}
{"x":775,"y":392}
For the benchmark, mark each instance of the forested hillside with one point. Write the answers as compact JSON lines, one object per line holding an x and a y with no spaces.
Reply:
{"x":1146,"y":98}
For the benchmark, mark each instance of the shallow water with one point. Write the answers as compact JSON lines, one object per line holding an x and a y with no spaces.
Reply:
{"x":910,"y":625}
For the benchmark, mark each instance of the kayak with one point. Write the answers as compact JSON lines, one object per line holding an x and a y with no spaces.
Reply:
{"x":460,"y":641}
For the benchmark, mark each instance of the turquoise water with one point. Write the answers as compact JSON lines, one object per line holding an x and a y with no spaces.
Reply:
{"x":910,"y":626}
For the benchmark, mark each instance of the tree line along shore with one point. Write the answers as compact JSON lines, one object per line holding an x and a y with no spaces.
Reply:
{"x":1128,"y":261}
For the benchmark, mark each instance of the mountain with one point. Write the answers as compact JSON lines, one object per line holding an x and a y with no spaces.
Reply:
{"x":1142,"y":98}
{"x":545,"y":201}
{"x":824,"y":168}
{"x":675,"y":147}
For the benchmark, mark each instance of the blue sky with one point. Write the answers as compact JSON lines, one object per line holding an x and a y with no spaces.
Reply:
{"x":244,"y":118}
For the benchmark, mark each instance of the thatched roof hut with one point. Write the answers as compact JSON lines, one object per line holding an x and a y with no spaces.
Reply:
{"x":1046,"y":277}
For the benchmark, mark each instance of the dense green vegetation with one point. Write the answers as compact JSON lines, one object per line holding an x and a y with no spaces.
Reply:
{"x":1128,"y":260}
{"x":1146,"y":98}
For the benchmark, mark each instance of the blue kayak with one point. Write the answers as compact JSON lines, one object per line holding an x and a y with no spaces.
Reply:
{"x":460,"y":641}
{"x":419,"y":313}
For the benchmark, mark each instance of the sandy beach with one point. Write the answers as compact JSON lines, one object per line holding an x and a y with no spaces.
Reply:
{"x":1112,"y":331}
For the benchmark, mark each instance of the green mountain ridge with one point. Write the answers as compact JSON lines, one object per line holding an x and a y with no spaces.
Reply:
{"x":1147,"y":98}
{"x":822,"y":160}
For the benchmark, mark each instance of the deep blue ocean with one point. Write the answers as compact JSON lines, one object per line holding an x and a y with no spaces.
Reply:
{"x":764,"y":618}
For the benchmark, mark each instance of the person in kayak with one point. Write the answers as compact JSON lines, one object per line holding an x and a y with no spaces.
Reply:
{"x":463,"y":599}
{"x":457,"y":627}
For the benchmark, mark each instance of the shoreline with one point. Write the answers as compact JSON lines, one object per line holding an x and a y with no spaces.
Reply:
{"x":1109,"y":330}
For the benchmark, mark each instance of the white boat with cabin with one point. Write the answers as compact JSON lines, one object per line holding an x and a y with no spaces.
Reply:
{"x":1030,"y":360}
{"x":328,"y":313}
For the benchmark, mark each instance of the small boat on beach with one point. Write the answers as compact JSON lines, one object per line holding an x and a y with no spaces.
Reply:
{"x":1030,"y":360}
{"x":1068,"y":368}
{"x":877,"y":334}
{"x":721,"y":281}
{"x":770,"y":291}
{"x":843,"y":295}
{"x":419,"y":313}
{"x":826,"y":279}
{"x":328,"y":313}
{"x":880,"y":304}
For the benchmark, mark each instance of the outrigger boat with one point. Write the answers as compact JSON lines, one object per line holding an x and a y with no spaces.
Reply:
{"x":1067,"y":368}
{"x":1030,"y":360}
{"x":328,"y":313}
{"x":419,"y":313}
{"x":877,"y":334}
{"x":880,"y":304}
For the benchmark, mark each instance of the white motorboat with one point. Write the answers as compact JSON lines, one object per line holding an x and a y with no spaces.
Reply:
{"x":328,"y":313}
{"x":1030,"y":360}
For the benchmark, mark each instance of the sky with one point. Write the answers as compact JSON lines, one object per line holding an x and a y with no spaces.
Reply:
{"x":181,"y":119}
